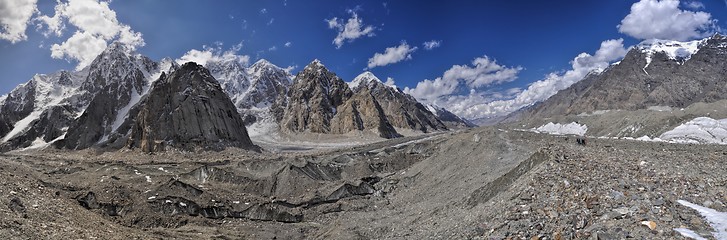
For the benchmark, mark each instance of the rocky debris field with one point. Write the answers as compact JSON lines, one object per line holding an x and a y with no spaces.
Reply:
{"x":484,"y":183}
{"x":612,"y":189}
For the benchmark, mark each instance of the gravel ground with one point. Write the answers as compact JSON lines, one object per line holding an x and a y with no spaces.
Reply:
{"x":484,"y":183}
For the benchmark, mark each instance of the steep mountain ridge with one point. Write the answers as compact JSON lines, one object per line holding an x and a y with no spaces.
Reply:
{"x":38,"y":110}
{"x":253,"y":89}
{"x":97,"y":106}
{"x":314,"y":98}
{"x":401,"y":109}
{"x":655,"y":73}
{"x":117,"y":79}
{"x":362,"y":112}
{"x":188,"y":109}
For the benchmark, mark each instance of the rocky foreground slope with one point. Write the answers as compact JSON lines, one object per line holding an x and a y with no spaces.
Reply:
{"x":485,"y":183}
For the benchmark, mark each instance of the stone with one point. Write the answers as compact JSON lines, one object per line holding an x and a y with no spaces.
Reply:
{"x":188,"y":110}
{"x":313,"y":100}
{"x":401,"y":109}
{"x":650,"y":224}
{"x":362,"y":113}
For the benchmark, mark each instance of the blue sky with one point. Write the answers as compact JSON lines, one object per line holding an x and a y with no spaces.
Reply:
{"x":515,"y":42}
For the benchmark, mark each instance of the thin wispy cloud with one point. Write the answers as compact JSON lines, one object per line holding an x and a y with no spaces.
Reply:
{"x":429,"y":45}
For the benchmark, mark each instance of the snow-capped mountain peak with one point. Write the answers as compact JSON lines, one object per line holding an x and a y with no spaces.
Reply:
{"x":364,"y":79}
{"x":169,"y":65}
{"x":262,"y":63}
{"x":315,"y":64}
{"x":675,"y":50}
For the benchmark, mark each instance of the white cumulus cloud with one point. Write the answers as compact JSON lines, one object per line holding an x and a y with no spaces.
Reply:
{"x":476,"y":103}
{"x":391,"y":55}
{"x":390,"y":82}
{"x":583,"y":64}
{"x":662,"y":19}
{"x":214,"y":54}
{"x":96,"y":25}
{"x":14,"y":18}
{"x":349,"y":30}
{"x":482,"y":72}
{"x":429,"y":45}
{"x":82,"y":46}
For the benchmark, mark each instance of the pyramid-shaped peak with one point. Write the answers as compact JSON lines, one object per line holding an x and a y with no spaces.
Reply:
{"x":316,"y":63}
{"x":116,"y":47}
{"x":364,"y":79}
{"x":367,"y":76}
{"x":263,"y":63}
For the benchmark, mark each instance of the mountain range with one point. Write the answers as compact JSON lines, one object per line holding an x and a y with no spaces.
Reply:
{"x":657,"y":86}
{"x":124,"y":99}
{"x":653,"y":73}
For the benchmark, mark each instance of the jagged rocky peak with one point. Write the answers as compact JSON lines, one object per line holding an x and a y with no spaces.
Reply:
{"x":188,"y":109}
{"x":231,"y":74}
{"x":316,"y":63}
{"x":263,"y":63}
{"x":117,"y":64}
{"x":313,"y":99}
{"x":117,"y":79}
{"x":268,"y":83}
{"x":168,"y":65}
{"x":364,"y":79}
{"x":263,"y":70}
{"x":362,"y":112}
{"x":402,"y":110}
{"x":65,"y":78}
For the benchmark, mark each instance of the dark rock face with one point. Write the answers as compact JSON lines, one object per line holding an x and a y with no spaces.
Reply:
{"x":18,"y":104}
{"x":401,"y":109}
{"x":313,"y":100}
{"x":48,"y":127}
{"x":39,"y":104}
{"x":114,"y":78}
{"x":188,"y":109}
{"x":634,"y":84}
{"x":362,"y":112}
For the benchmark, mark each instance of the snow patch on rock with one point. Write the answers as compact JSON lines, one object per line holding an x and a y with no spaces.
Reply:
{"x":675,"y":50}
{"x":716,"y":219}
{"x":703,"y":130}
{"x":562,"y":129}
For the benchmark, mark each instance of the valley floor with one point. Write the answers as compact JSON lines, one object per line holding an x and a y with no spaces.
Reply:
{"x":483,"y":183}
